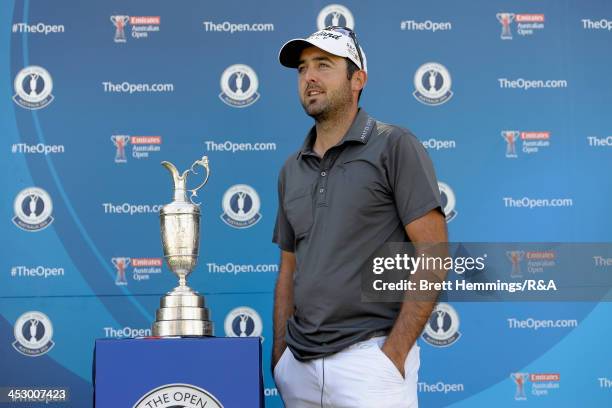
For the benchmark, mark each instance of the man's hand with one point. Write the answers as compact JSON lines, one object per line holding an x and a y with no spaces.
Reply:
{"x":416,"y":309}
{"x":396,"y":357}
{"x":283,"y":305}
{"x":276,"y":356}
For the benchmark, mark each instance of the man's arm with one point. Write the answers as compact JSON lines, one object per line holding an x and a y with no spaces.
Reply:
{"x":283,"y":304}
{"x":430,"y":228}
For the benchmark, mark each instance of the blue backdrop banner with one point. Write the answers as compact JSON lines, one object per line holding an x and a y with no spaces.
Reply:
{"x":511,"y":100}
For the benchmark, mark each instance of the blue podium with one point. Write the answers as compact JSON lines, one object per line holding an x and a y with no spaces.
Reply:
{"x":182,"y":372}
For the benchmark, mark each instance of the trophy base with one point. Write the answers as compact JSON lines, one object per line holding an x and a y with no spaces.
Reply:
{"x":182,"y":314}
{"x":183,"y":328}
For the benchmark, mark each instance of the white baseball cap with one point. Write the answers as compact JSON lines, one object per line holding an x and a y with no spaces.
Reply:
{"x":335,"y":40}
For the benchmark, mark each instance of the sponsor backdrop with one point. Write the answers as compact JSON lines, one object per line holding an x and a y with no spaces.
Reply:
{"x":509,"y":98}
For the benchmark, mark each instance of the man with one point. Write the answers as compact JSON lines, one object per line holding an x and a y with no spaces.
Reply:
{"x":355,"y":184}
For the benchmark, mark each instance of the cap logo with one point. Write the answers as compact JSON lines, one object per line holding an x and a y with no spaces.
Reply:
{"x":325,"y":34}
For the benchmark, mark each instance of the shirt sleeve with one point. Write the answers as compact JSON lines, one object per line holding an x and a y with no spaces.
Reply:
{"x":283,"y":235}
{"x":412,"y":179}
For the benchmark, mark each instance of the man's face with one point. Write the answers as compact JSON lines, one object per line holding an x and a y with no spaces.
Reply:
{"x":323,"y":84}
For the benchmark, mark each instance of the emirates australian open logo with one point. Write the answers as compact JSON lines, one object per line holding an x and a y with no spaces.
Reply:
{"x":178,"y":396}
{"x":526,"y":24}
{"x":142,"y":26}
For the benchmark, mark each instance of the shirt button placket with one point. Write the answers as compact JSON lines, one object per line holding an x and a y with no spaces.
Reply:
{"x":323,"y":183}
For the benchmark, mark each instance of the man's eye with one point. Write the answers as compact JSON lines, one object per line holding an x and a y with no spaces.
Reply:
{"x":300,"y":69}
{"x":323,"y":65}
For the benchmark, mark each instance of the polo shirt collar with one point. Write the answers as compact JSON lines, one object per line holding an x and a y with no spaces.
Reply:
{"x":360,"y":132}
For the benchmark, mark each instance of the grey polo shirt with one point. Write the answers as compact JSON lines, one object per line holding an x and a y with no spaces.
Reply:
{"x":333,"y":213}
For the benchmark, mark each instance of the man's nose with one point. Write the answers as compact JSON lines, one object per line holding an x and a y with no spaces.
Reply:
{"x":310,"y":76}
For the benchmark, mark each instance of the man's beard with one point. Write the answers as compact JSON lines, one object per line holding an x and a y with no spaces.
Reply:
{"x":335,"y":102}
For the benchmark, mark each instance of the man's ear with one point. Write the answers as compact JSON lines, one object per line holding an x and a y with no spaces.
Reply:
{"x":359,"y":80}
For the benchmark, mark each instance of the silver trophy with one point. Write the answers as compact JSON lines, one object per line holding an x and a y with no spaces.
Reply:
{"x":182,"y":311}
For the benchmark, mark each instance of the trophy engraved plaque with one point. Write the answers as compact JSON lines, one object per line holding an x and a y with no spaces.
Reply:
{"x":182,"y":311}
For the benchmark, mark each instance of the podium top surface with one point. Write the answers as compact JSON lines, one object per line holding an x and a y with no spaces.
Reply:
{"x":132,"y":372}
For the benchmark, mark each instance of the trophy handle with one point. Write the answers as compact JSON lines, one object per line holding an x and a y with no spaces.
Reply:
{"x":203,"y":162}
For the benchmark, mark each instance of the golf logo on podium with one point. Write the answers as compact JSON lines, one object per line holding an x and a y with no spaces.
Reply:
{"x":442,"y":328}
{"x":178,"y":396}
{"x":33,"y":332}
{"x":33,"y":208}
{"x":33,"y":86}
